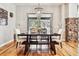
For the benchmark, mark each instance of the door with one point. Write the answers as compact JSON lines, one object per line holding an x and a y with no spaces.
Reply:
{"x":41,"y":26}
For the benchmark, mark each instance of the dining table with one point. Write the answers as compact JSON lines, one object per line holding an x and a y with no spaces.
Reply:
{"x":49,"y":38}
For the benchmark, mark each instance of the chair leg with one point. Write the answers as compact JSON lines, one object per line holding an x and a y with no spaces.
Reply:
{"x":16,"y":44}
{"x":61,"y":44}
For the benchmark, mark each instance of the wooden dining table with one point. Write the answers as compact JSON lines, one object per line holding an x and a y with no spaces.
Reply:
{"x":27,"y":42}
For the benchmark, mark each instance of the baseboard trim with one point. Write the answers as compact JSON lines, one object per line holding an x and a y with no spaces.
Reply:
{"x":6,"y":43}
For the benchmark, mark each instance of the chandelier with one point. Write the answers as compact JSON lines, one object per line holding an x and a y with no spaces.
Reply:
{"x":38,"y":11}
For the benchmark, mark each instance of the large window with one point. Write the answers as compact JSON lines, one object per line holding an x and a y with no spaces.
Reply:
{"x":42,"y":25}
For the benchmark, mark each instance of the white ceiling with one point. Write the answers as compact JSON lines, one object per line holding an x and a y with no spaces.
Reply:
{"x":34,"y":4}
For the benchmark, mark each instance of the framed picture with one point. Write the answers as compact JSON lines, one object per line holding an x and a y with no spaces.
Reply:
{"x":11,"y":14}
{"x":3,"y":17}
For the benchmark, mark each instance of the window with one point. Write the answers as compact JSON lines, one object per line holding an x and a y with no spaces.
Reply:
{"x":42,"y":25}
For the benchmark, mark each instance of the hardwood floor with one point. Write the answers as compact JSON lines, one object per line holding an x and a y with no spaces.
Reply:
{"x":69,"y":49}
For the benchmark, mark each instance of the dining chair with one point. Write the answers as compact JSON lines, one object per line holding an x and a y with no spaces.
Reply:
{"x":58,"y":38}
{"x":19,"y":40}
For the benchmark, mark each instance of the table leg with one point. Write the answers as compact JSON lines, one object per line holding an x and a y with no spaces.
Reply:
{"x":48,"y":44}
{"x":52,"y":46}
{"x":54,"y":49}
{"x":26,"y":46}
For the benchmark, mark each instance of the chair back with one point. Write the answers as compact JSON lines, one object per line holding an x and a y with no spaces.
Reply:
{"x":61,"y":32}
{"x":56,"y":38}
{"x":17,"y":31}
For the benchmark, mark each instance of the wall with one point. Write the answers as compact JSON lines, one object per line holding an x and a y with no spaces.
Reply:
{"x":23,"y":10}
{"x":71,"y":10}
{"x":6,"y":32}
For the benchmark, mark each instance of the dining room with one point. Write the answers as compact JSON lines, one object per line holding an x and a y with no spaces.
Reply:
{"x":39,"y":29}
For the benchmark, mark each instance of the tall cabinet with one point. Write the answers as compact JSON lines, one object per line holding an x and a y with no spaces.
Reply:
{"x":71,"y":29}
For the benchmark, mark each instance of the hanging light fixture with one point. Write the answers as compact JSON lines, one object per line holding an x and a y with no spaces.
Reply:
{"x":38,"y":10}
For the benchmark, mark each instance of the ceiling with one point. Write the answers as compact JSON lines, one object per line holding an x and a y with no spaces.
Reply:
{"x":34,"y":4}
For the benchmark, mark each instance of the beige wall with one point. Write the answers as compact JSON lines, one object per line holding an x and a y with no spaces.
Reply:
{"x":22,"y":11}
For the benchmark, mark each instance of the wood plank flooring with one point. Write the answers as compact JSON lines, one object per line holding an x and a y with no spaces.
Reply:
{"x":69,"y":49}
